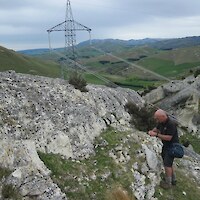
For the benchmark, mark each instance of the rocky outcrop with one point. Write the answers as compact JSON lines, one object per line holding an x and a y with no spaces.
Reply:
{"x":57,"y":117}
{"x":174,"y":92}
{"x":180,"y":98}
{"x":49,"y":115}
{"x":29,"y":175}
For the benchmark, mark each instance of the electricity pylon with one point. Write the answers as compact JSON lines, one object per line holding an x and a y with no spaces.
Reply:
{"x":69,"y":26}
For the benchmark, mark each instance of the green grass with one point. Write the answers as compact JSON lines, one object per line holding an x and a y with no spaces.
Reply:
{"x":132,"y":81}
{"x":186,"y":189}
{"x":171,"y":64}
{"x":167,"y":67}
{"x":193,"y":140}
{"x":4,"y":172}
{"x":90,"y":78}
{"x":10,"y":60}
{"x":134,"y":78}
{"x":86,"y":179}
{"x":10,"y":192}
{"x":75,"y":178}
{"x":137,"y":83}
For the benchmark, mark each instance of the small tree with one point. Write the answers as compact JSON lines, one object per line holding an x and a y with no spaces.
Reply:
{"x":78,"y":81}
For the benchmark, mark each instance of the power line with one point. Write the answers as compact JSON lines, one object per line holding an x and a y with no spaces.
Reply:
{"x":70,"y":26}
{"x":75,"y":63}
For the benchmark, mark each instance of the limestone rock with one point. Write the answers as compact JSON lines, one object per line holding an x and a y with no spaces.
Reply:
{"x":59,"y":118}
{"x":181,"y":99}
{"x":151,"y":158}
{"x":30,"y":175}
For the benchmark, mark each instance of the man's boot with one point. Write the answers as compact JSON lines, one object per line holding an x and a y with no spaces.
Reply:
{"x":173,"y":179}
{"x":167,"y":183}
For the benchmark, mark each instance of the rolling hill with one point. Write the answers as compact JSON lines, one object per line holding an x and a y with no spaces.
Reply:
{"x":11,"y":60}
{"x":117,"y":60}
{"x":171,"y":64}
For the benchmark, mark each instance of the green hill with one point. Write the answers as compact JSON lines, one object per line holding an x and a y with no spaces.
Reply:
{"x":171,"y":64}
{"x":11,"y":60}
{"x":171,"y":58}
{"x":175,"y":43}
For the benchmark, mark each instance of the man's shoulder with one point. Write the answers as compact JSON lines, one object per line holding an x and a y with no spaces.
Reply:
{"x":172,"y":121}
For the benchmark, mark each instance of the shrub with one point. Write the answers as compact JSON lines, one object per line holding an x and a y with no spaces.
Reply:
{"x":187,"y":139}
{"x":9,"y":191}
{"x":103,"y":62}
{"x":148,"y":89}
{"x":4,"y":172}
{"x":78,"y":81}
{"x":142,"y":117}
{"x":196,"y":73}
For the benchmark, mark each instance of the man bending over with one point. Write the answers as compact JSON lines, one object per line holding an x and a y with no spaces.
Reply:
{"x":166,"y":130}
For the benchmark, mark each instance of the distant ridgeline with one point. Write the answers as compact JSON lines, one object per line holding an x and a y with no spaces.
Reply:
{"x":164,"y":44}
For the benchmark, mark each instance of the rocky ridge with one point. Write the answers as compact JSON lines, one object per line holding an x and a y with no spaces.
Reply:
{"x":49,"y":115}
{"x":59,"y":118}
{"x":56,"y":118}
{"x":181,"y":98}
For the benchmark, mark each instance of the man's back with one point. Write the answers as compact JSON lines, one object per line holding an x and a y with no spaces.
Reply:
{"x":168,"y":128}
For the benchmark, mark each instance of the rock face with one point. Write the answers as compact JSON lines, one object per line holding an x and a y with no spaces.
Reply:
{"x":30,"y":176}
{"x":49,"y":115}
{"x":59,"y":118}
{"x":180,"y":98}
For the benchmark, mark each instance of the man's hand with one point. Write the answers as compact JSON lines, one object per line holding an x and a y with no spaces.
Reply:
{"x":152,"y":133}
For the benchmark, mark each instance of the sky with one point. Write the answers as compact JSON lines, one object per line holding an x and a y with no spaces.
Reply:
{"x":24,"y":23}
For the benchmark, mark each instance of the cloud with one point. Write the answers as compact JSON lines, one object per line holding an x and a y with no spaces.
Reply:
{"x":127,"y":19}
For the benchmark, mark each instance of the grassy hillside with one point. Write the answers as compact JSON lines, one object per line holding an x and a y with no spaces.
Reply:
{"x":174,"y":58}
{"x":171,"y":64}
{"x":177,"y":43}
{"x":10,"y":60}
{"x":94,"y":177}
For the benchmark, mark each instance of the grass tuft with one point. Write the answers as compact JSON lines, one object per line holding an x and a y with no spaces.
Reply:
{"x":10,"y":192}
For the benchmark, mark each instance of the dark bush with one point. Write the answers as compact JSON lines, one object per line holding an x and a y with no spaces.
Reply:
{"x":4,"y":172}
{"x":148,"y":89}
{"x":196,"y":73}
{"x":151,"y":87}
{"x":10,"y":192}
{"x":133,"y":59}
{"x":196,"y":119}
{"x":142,"y":117}
{"x":143,"y":56}
{"x":103,"y":62}
{"x":78,"y":81}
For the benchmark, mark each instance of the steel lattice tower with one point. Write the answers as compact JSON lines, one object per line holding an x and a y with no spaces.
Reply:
{"x":69,"y":26}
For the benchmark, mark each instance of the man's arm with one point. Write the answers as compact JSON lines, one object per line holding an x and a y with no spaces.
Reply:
{"x":164,"y":137}
{"x":161,"y":136}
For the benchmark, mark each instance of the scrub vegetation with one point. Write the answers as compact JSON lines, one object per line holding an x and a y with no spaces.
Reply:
{"x":8,"y":191}
{"x":100,"y":178}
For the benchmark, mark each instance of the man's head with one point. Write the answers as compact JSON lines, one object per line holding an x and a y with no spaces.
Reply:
{"x":160,"y":116}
